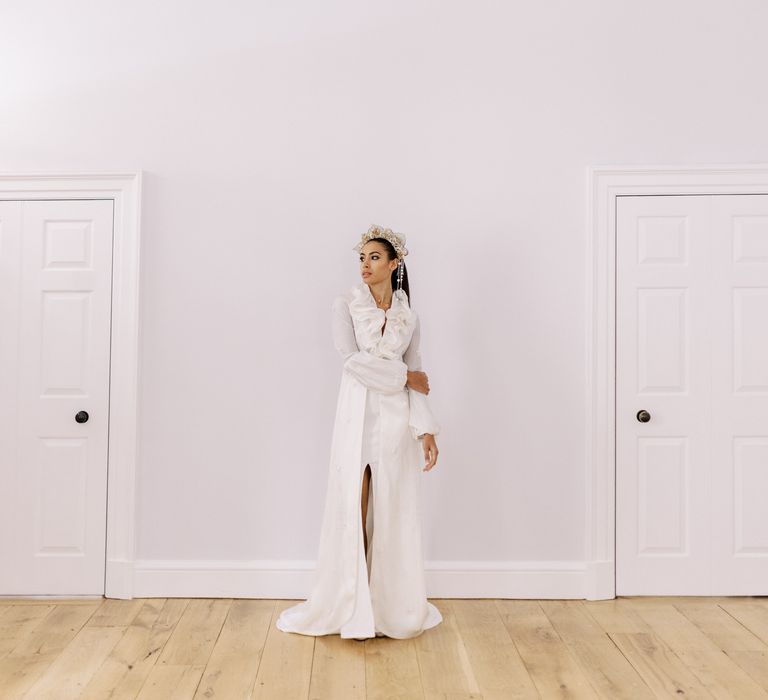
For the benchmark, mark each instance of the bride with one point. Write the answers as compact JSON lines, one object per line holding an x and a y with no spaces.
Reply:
{"x":369,"y":579}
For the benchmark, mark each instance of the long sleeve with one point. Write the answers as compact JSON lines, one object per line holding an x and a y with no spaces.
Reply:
{"x":376,"y":373}
{"x":421,"y":419}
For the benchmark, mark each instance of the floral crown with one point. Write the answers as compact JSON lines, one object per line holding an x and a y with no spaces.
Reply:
{"x":396,"y":239}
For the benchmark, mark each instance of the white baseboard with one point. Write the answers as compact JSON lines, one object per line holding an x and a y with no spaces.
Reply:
{"x":118,"y":580}
{"x":293,"y":579}
{"x":599,"y":580}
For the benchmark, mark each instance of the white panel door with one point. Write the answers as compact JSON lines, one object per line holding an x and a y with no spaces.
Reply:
{"x":55,"y":306}
{"x":692,"y":395}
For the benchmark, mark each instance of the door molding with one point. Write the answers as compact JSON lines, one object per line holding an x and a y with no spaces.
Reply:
{"x":125,"y":190}
{"x":604,"y":185}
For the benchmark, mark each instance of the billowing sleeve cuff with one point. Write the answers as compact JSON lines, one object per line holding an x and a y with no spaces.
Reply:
{"x":377,"y":373}
{"x":421,"y":420}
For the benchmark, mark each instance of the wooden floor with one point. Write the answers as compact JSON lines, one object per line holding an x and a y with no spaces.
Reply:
{"x":226,"y":649}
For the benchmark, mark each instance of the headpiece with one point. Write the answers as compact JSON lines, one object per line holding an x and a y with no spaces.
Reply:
{"x":396,"y":239}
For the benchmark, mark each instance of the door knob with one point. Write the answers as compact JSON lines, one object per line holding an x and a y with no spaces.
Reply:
{"x":81,"y":417}
{"x":643,"y":416}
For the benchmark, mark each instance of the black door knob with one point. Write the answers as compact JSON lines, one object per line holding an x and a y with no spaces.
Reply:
{"x":643,"y":416}
{"x":81,"y":417}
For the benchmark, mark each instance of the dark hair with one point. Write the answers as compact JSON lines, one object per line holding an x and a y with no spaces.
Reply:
{"x":392,"y":254}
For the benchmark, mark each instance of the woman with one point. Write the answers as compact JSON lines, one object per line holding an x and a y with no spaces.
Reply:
{"x":369,"y":579}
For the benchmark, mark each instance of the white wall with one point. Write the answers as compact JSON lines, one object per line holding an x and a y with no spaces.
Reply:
{"x":272,"y":134}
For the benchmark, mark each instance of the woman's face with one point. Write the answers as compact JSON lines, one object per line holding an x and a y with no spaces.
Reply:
{"x":375,"y":267}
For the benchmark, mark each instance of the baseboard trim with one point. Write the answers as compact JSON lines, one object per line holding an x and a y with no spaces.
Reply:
{"x":118,"y":579}
{"x":289,"y":579}
{"x":599,"y":580}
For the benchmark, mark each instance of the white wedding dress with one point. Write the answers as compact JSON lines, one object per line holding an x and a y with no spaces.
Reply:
{"x":379,"y":421}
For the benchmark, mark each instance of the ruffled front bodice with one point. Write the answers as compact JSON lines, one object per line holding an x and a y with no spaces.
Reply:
{"x":368,"y":319}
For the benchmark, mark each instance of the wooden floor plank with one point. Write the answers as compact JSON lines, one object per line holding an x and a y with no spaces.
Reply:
{"x":550,"y":664}
{"x":286,"y":663}
{"x":180,"y":665}
{"x":744,"y":647}
{"x":36,"y":651}
{"x":633,"y":648}
{"x":661,"y":669}
{"x":130,"y":662}
{"x":73,"y":669}
{"x":716,"y":670}
{"x":234,"y":662}
{"x":172,"y":682}
{"x":601,"y":661}
{"x":19,"y":673}
{"x":116,"y":613}
{"x":55,"y":630}
{"x":195,"y":633}
{"x":750,"y":612}
{"x":392,"y":670}
{"x":17,"y":622}
{"x":443,"y":659}
{"x":496,"y":663}
{"x":338,"y":668}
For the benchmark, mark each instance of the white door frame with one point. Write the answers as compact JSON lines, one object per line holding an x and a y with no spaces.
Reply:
{"x":604,"y":185}
{"x":125,"y":190}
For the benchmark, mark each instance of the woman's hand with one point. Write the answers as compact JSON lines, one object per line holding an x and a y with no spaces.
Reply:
{"x":430,"y":451}
{"x":418,"y":381}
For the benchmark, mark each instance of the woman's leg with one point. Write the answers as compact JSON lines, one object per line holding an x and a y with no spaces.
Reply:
{"x":366,"y":487}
